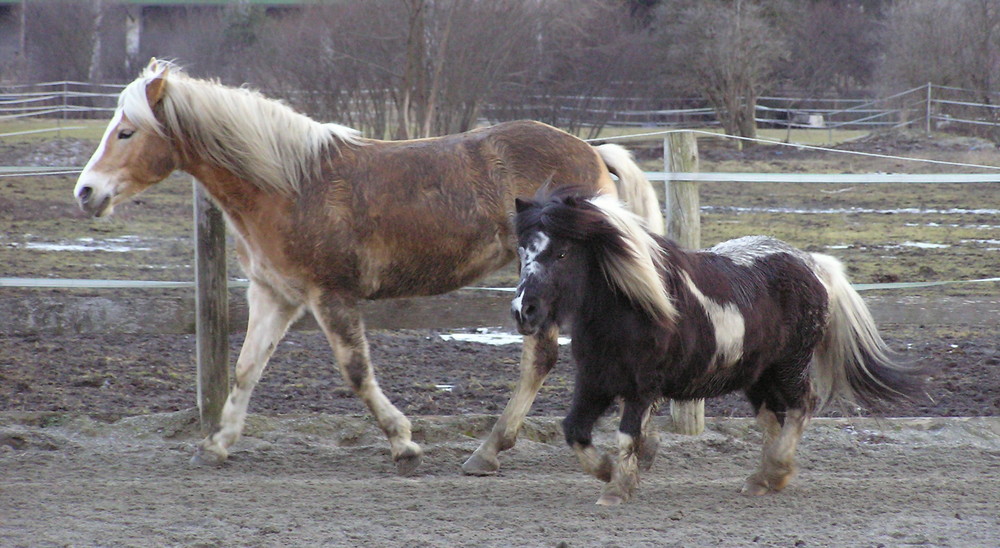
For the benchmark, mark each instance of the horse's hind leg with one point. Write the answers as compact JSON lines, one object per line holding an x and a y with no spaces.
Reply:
{"x":344,"y":328}
{"x":270,"y":316}
{"x":537,"y":359}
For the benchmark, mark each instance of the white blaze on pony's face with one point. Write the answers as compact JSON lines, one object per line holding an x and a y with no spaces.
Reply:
{"x":133,"y":154}
{"x":532,"y":270}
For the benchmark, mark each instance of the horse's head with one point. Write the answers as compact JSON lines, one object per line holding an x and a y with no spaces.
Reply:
{"x":571,"y":246}
{"x":134,"y":152}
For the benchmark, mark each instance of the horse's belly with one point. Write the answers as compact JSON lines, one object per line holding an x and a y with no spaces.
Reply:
{"x":433,"y":273}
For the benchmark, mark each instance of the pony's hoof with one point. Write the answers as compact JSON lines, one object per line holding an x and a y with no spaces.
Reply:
{"x":205,"y":457}
{"x":647,"y":456}
{"x":610,"y":499}
{"x":477,"y":465}
{"x":408,"y":461}
{"x":754,"y":487}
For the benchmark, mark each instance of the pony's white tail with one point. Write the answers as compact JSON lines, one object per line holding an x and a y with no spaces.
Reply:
{"x":852,"y":365}
{"x":633,"y":187}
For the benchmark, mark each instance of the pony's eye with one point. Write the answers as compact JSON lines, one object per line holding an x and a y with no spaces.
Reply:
{"x":125,"y":133}
{"x":561,"y":255}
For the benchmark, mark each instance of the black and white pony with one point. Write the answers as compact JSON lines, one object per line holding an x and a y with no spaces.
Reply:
{"x":650,"y":320}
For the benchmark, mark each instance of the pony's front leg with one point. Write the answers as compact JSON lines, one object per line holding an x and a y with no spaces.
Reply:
{"x":344,"y":328}
{"x":777,"y":466}
{"x":578,"y":426}
{"x":625,"y":473}
{"x":538,"y":356}
{"x":269,"y":318}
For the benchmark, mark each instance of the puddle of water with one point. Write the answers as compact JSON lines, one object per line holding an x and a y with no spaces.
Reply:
{"x":834,"y":211}
{"x":919,"y":245}
{"x":484,"y":336}
{"x":122,"y":244}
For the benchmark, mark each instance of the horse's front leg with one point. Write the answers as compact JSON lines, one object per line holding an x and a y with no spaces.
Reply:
{"x":625,"y":473}
{"x":538,"y":356}
{"x":269,"y":318}
{"x":341,"y":322}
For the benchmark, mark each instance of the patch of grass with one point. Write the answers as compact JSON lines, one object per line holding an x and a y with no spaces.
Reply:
{"x":80,"y":129}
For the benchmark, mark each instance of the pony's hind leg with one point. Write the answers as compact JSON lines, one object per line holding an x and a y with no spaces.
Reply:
{"x":344,"y":329}
{"x":270,"y":316}
{"x":650,"y":442}
{"x":537,"y":358}
{"x":625,"y":472}
{"x":781,"y":438}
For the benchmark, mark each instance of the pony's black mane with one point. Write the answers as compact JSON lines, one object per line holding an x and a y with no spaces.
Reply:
{"x":567,"y":213}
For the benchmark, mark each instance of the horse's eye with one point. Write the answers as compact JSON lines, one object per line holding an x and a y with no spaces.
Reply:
{"x":125,"y":133}
{"x":561,"y":255}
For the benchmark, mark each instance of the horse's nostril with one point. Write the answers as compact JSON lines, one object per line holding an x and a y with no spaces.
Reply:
{"x":85,"y":193}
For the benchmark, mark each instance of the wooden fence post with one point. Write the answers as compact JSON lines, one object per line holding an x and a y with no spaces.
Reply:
{"x":211,"y":308}
{"x":680,"y":155}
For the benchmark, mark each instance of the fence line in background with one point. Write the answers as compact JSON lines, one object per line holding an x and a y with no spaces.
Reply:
{"x":919,"y":107}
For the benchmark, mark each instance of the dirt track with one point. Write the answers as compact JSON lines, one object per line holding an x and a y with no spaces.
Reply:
{"x":328,"y":480}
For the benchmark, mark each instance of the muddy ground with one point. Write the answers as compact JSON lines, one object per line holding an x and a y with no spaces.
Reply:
{"x":96,"y":429}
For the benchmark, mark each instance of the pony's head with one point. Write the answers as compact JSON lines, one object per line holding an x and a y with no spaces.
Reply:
{"x":565,"y":237}
{"x":134,"y":153}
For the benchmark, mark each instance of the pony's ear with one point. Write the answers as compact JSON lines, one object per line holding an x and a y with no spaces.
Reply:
{"x":156,"y":86}
{"x":520,"y":205}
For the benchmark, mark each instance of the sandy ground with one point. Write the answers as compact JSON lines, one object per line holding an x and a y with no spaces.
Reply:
{"x":328,"y":480}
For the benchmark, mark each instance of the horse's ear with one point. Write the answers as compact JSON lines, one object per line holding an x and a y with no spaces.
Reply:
{"x":155,"y":87}
{"x":520,"y":205}
{"x":153,"y":64}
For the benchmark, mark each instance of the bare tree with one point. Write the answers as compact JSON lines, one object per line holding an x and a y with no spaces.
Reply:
{"x":949,"y":43}
{"x":833,"y":45}
{"x":727,"y":51}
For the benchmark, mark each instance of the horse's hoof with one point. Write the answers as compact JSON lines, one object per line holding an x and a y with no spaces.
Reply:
{"x":478,"y":465}
{"x":204,"y":457}
{"x":609,"y":499}
{"x":408,"y":461}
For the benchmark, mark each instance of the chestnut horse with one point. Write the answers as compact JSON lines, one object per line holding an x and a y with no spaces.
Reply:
{"x":324,"y":219}
{"x":650,"y":320}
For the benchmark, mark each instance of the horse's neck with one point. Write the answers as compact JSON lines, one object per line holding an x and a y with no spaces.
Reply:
{"x":245,"y":205}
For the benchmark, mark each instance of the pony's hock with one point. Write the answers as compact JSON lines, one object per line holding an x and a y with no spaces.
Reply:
{"x":650,"y":320}
{"x":324,"y":219}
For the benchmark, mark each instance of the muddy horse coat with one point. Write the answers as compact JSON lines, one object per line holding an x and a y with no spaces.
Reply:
{"x":324,"y":219}
{"x":650,"y":320}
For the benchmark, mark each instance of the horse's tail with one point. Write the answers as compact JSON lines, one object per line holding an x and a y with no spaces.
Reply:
{"x":633,"y":187}
{"x":852,"y":364}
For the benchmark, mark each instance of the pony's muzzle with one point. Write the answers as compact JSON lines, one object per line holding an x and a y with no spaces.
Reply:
{"x":527,"y":316}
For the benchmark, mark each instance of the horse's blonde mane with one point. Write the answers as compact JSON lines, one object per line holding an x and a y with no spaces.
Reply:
{"x":258,"y":139}
{"x":636,"y":273}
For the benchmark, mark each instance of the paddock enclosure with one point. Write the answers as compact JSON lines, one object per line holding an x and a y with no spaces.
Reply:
{"x":96,"y":428}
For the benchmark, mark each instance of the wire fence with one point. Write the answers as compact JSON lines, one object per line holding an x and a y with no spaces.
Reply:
{"x":927,"y":107}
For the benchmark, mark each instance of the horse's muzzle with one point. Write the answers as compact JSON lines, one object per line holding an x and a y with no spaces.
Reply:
{"x":91,"y":203}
